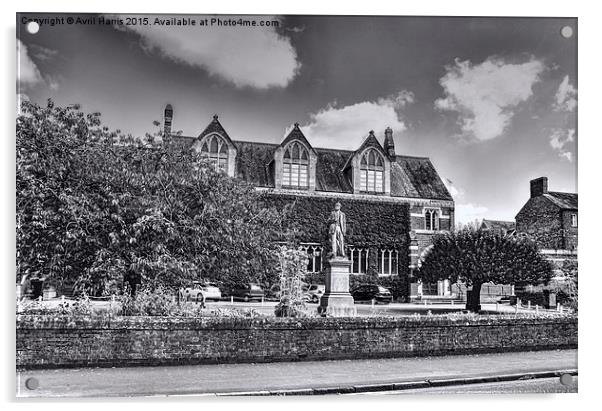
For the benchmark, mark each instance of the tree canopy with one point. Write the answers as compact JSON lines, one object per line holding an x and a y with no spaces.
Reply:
{"x":96,"y":207}
{"x":473,"y":257}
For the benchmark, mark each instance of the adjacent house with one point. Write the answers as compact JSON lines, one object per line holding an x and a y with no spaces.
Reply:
{"x":550,"y":218}
{"x":394,"y":203}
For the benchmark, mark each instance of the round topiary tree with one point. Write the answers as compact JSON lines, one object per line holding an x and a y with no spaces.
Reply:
{"x":474,"y":257}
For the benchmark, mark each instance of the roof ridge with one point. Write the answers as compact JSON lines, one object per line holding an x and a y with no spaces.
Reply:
{"x":408,"y":156}
{"x":255,"y":142}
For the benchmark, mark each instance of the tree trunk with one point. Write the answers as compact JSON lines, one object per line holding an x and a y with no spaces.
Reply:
{"x":473,"y":302}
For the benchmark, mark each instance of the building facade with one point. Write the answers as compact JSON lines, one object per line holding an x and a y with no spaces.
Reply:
{"x":394,"y":203}
{"x":550,"y":218}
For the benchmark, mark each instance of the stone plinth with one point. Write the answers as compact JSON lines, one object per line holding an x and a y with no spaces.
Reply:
{"x":336,"y":300}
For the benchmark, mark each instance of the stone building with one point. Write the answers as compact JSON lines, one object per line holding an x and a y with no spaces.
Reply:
{"x":394,"y":203}
{"x":550,"y":218}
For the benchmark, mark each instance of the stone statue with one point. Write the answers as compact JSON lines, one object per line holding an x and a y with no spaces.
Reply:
{"x":337,"y":230}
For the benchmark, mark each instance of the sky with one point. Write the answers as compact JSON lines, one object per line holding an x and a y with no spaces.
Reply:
{"x":491,"y":101}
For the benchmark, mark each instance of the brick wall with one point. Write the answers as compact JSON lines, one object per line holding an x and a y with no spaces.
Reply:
{"x":541,"y":220}
{"x":47,"y":341}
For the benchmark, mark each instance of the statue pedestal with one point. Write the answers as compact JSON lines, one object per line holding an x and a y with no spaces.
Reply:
{"x":336,"y":300}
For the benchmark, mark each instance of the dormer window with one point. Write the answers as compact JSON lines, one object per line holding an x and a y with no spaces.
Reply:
{"x":295,"y":165}
{"x":215,"y":149}
{"x":372,"y":172}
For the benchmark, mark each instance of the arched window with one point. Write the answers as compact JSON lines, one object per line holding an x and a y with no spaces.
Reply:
{"x":431,"y":220}
{"x":216,"y":149}
{"x":295,"y":165}
{"x":387,"y":262}
{"x":372,"y":172}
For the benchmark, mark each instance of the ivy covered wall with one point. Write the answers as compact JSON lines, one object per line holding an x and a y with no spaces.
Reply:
{"x":370,"y":225}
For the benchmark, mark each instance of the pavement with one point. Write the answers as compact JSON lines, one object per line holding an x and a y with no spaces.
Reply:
{"x":288,"y":378}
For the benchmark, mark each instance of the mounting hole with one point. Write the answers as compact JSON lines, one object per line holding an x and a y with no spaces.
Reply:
{"x":567,"y":379}
{"x":566,"y":32}
{"x":32,"y":383}
{"x":33,"y":27}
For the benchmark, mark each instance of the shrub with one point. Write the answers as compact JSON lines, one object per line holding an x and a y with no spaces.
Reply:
{"x":293,"y":267}
{"x":153,"y":302}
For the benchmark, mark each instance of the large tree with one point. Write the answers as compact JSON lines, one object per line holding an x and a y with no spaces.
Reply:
{"x":473,"y":257}
{"x":95,"y":207}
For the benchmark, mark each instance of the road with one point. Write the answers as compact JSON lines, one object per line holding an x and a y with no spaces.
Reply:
{"x":228,"y":378}
{"x":539,"y":385}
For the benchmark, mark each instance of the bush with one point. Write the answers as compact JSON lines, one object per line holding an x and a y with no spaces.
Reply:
{"x":153,"y":302}
{"x":293,"y":267}
{"x":79,"y":307}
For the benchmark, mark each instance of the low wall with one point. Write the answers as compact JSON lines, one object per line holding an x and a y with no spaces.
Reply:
{"x":49,"y":341}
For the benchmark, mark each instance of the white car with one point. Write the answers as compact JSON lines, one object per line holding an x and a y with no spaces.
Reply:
{"x":200,"y":292}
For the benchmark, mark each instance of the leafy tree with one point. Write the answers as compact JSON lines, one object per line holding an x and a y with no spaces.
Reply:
{"x":474,"y":257}
{"x":95,"y":208}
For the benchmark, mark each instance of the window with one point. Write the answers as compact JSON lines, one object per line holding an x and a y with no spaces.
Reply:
{"x":431,"y":220}
{"x":216,"y":149}
{"x":359,"y":260}
{"x":372,"y":172}
{"x":314,"y":255}
{"x":295,"y":165}
{"x":574,"y":220}
{"x":387,"y":262}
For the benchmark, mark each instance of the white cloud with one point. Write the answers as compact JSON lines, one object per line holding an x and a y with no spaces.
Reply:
{"x":468,"y":213}
{"x":560,"y":139}
{"x":346,"y":127}
{"x":485,"y":95}
{"x":566,"y":96}
{"x":246,"y":56}
{"x":28,"y":73}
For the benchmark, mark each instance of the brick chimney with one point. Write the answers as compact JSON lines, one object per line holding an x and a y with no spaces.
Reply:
{"x":389,"y":145}
{"x":167,"y":119}
{"x":539,"y":186}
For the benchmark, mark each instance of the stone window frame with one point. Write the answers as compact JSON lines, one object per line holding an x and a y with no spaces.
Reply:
{"x":392,"y":268}
{"x":574,"y":220}
{"x":301,"y":162}
{"x":435,"y":223}
{"x":366,"y":167}
{"x":314,"y":262}
{"x":221,"y":153}
{"x":363,"y":252}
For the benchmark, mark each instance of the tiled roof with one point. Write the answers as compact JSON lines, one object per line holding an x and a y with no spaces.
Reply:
{"x":498,"y":224}
{"x":410,"y":176}
{"x":566,"y":201}
{"x":423,"y":179}
{"x":413,"y":177}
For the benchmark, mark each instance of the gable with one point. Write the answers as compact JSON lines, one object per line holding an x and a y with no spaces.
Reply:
{"x":297,"y":134}
{"x":216,"y":127}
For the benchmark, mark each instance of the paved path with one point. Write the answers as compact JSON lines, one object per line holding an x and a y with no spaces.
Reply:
{"x":198,"y":379}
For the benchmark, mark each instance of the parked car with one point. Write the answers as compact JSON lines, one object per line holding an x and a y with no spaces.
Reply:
{"x":273,"y":293}
{"x":507,"y":299}
{"x":211,"y":291}
{"x":193,"y":292}
{"x":201,"y":291}
{"x":248,"y":292}
{"x":315,"y":291}
{"x":369,"y":292}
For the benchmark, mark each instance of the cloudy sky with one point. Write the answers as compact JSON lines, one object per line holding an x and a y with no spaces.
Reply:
{"x":492,"y":101}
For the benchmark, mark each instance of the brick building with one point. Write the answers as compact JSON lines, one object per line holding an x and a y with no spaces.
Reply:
{"x":394,"y":203}
{"x":550,"y":218}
